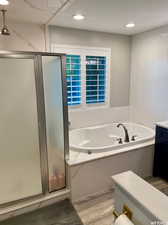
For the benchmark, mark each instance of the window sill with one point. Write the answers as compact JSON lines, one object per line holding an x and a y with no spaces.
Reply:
{"x":88,"y":107}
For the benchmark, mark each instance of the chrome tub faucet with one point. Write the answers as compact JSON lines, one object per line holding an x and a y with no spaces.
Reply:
{"x":125,"y":131}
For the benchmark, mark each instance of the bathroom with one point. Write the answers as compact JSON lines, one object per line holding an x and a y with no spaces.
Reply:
{"x":109,"y":110}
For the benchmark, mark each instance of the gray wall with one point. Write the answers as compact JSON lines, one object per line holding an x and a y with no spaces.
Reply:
{"x":120,"y":56}
{"x":149,"y":77}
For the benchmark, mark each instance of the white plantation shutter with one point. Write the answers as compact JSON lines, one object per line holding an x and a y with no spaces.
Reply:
{"x":87,"y":75}
{"x":73,"y":76}
{"x":95,"y":79}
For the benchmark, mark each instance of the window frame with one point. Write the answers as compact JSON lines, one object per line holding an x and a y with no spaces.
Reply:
{"x":84,"y":51}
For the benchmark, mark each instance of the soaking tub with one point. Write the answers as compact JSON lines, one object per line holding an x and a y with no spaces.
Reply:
{"x":106,"y":137}
{"x":96,"y":155}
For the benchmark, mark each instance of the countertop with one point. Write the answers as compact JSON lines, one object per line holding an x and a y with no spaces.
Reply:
{"x":151,"y":199}
{"x":163,"y":124}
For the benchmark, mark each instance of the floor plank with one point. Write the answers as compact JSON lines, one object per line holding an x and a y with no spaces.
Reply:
{"x":61,"y":213}
{"x":158,"y":183}
{"x":97,"y":211}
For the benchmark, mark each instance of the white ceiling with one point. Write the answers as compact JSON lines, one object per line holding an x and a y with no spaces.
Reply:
{"x":101,"y":15}
{"x":32,"y":11}
{"x":112,"y":15}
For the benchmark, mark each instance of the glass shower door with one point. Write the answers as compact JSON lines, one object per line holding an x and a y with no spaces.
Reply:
{"x":55,"y":119}
{"x":20,"y":170}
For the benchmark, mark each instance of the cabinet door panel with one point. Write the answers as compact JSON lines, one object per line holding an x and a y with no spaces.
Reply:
{"x":161,"y":153}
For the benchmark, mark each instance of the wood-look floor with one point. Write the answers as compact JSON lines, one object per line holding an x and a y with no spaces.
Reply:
{"x":159,"y":183}
{"x":60,"y":213}
{"x":99,"y":211}
{"x":96,"y":211}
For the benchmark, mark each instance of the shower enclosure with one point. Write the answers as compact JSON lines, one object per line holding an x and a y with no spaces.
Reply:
{"x":33,"y":125}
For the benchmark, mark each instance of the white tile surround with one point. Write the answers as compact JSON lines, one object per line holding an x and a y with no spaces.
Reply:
{"x":94,"y":116}
{"x":146,"y":202}
{"x":76,"y":158}
{"x":92,"y":178}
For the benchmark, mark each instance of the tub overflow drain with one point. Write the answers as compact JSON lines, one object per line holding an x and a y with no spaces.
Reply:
{"x":89,"y":152}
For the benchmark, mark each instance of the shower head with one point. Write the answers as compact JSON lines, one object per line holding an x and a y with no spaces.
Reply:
{"x":4,"y":30}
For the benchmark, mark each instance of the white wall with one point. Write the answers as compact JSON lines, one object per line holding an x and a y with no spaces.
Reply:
{"x":24,"y":37}
{"x":149,"y":77}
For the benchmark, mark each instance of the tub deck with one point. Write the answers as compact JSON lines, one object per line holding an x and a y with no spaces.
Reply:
{"x":76,"y":158}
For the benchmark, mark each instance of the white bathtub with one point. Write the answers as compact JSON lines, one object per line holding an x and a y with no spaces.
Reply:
{"x":107,"y":157}
{"x":105,"y":137}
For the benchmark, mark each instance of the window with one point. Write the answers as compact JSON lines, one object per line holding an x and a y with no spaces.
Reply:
{"x":73,"y":76}
{"x":87,"y":75}
{"x":95,"y":79}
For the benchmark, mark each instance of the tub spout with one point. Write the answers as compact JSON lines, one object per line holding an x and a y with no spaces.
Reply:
{"x":125,"y":130}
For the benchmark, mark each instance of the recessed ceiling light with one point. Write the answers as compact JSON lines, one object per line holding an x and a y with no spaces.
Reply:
{"x":130,"y":25}
{"x":78,"y":17}
{"x":4,"y":2}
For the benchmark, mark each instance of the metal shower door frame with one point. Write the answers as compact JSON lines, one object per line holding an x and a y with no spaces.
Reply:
{"x":38,"y":73}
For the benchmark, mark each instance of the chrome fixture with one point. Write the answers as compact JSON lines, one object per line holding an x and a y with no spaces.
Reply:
{"x":126,"y":132}
{"x":89,"y":152}
{"x":133,"y":137}
{"x":4,"y":30}
{"x":119,"y":140}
